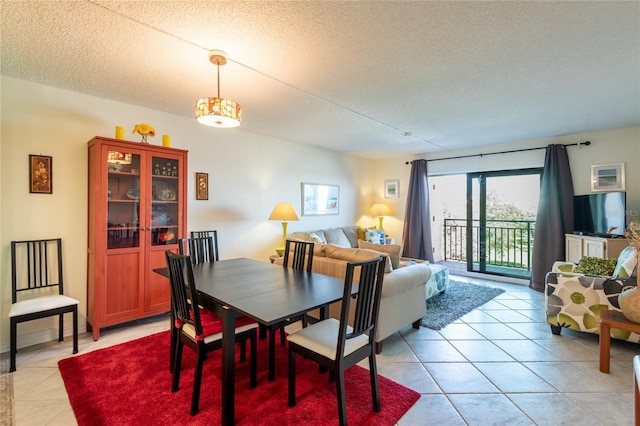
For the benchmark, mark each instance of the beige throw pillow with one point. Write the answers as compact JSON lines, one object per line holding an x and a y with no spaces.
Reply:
{"x":393,"y":250}
{"x":350,"y":254}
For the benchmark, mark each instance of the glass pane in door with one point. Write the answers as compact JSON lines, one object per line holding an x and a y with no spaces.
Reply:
{"x":503,"y":213}
{"x":164,"y":201}
{"x":123,"y":200}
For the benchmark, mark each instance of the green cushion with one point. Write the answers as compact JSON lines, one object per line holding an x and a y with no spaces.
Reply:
{"x":627,"y":262}
{"x":566,"y":267}
{"x":596,"y":266}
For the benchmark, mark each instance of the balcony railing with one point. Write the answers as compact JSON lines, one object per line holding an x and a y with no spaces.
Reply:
{"x":501,"y":243}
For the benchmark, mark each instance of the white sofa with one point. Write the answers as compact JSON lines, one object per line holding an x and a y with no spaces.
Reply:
{"x":403,"y":293}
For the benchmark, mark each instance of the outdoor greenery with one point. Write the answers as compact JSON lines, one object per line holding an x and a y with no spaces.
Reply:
{"x":509,"y":233}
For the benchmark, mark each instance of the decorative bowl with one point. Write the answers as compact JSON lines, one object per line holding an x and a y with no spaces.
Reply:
{"x":133,"y":193}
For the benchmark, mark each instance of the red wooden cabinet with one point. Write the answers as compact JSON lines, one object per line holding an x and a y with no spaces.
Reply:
{"x":137,"y":210}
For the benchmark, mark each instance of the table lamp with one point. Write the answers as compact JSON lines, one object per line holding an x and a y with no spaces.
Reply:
{"x":283,"y":212}
{"x":380,"y":210}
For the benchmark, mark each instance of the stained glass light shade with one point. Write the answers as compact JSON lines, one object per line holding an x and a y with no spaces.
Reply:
{"x":218,"y":112}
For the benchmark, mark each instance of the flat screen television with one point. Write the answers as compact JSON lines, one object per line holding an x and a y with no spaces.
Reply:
{"x":600,"y":214}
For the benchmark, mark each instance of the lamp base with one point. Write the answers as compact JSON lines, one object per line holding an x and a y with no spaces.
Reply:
{"x":280,"y":249}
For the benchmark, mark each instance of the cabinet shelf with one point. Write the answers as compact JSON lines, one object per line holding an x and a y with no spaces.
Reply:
{"x":115,"y":173}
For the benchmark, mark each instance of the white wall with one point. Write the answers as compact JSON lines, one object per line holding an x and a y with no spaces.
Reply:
{"x":248,"y":175}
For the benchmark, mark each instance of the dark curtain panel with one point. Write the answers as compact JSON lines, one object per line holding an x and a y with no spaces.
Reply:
{"x":417,"y":223}
{"x":555,"y":214}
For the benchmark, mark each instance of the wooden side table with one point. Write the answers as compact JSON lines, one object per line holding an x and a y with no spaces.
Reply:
{"x":608,"y":320}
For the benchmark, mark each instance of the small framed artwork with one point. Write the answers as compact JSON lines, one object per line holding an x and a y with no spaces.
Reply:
{"x":318,"y":199}
{"x":202,"y":186}
{"x":391,"y":188}
{"x":607,"y":177}
{"x":40,"y":174}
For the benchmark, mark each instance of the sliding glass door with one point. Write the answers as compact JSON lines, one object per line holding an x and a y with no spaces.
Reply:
{"x":500,"y":223}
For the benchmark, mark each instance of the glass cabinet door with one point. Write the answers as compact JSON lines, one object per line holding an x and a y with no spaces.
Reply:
{"x":123,"y":200}
{"x":164,"y":201}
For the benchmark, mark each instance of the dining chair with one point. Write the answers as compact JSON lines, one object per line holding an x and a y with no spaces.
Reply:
{"x":214,"y":235}
{"x":335,"y":345}
{"x":200,"y":249}
{"x":301,"y":260}
{"x":37,"y":289}
{"x":298,"y":255}
{"x":197,"y":329}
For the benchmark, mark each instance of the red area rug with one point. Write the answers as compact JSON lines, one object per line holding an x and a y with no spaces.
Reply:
{"x":130,"y":384}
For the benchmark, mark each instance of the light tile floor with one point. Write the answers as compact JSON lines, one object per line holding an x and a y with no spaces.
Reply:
{"x":498,"y":365}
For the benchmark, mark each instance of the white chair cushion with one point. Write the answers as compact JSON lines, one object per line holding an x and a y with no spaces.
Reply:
{"x":39,"y":304}
{"x":322,"y":338}
{"x":190,"y":330}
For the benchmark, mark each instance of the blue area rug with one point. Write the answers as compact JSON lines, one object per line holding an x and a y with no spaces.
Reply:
{"x":459,"y":299}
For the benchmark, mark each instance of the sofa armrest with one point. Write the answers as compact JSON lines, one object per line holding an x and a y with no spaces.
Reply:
{"x":561,"y":266}
{"x":403,"y":279}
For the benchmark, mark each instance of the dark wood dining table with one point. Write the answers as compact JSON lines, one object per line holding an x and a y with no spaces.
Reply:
{"x":265,"y":292}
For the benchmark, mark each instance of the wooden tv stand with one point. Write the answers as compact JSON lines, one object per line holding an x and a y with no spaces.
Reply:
{"x":577,"y":246}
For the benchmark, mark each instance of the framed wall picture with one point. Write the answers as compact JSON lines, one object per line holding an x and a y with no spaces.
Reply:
{"x":40,"y":174}
{"x":607,"y":177}
{"x":202,"y":186}
{"x":319,"y":199}
{"x":391,"y":188}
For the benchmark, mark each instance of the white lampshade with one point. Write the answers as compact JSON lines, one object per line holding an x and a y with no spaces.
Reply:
{"x":284,"y":211}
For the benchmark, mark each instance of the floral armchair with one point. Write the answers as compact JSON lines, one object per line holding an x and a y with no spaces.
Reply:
{"x":574,"y":300}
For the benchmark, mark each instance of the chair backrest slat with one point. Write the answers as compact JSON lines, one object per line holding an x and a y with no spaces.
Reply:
{"x":367,"y":300}
{"x":36,"y":265}
{"x":214,"y":235}
{"x":302,"y":250}
{"x":183,"y":290}
{"x":200,"y":249}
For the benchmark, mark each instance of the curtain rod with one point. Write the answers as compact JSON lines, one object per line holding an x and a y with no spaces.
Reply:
{"x":587,"y":143}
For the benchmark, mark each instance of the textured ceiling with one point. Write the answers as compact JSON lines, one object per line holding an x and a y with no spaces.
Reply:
{"x":372,"y":78}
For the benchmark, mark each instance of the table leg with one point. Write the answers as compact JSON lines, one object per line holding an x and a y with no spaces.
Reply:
{"x":272,"y":353}
{"x":605,"y":346}
{"x":228,"y":365}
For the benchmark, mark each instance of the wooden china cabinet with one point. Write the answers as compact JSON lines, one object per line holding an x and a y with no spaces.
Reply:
{"x":137,"y":211}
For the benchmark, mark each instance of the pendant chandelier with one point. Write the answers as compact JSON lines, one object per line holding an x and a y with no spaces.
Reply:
{"x":218,"y":112}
